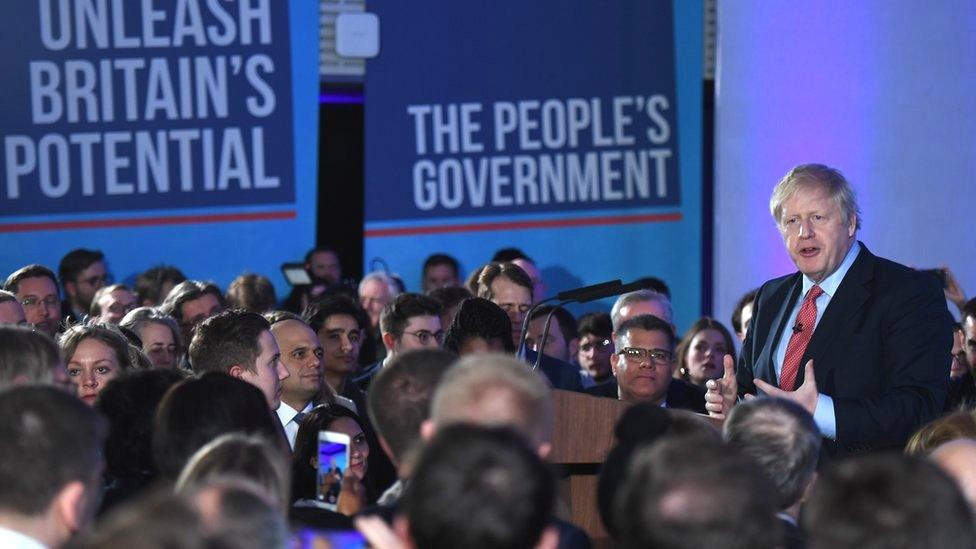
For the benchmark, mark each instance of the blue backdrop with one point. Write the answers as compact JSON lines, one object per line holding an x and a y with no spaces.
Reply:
{"x":572,"y":132}
{"x":176,"y":132}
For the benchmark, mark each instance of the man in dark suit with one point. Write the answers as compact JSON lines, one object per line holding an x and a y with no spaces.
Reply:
{"x":642,"y":367}
{"x":862,"y":343}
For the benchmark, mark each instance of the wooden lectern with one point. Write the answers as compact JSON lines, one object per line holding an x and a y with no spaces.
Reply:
{"x":582,"y":436}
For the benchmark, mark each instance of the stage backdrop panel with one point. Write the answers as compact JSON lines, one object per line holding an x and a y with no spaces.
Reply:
{"x":570,"y":130}
{"x":881,"y":90}
{"x":159,"y":132}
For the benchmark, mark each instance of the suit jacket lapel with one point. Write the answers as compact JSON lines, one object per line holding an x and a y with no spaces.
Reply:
{"x":764,"y":365}
{"x":850,"y":297}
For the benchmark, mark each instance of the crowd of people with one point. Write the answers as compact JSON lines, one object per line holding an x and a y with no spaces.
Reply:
{"x":171,"y":413}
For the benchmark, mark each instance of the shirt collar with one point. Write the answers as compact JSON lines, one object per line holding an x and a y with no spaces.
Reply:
{"x":286,"y":413}
{"x":829,"y":285}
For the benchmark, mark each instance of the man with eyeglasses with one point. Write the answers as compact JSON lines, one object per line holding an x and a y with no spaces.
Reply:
{"x":410,"y":321}
{"x":36,"y":288}
{"x":82,"y":273}
{"x":642,"y":367}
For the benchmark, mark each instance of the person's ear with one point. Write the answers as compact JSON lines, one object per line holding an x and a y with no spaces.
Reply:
{"x":573,"y":348}
{"x":70,"y":289}
{"x":427,"y":430}
{"x":549,"y":538}
{"x":614,"y":360}
{"x":543,"y":450}
{"x":313,"y":460}
{"x":69,"y":505}
{"x":389,"y":341}
{"x":237,"y":371}
{"x":852,"y":226}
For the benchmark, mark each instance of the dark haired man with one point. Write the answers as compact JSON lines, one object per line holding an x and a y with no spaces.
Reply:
{"x":154,"y":284}
{"x":886,"y":500}
{"x":687,"y":492}
{"x":323,"y":264}
{"x":51,"y":444}
{"x":410,"y":321}
{"x":562,"y":342}
{"x":595,"y":349}
{"x":440,"y":271}
{"x":481,"y":487}
{"x":642,"y":366}
{"x":240,"y":344}
{"x":82,"y":273}
{"x":340,"y":324}
{"x":742,"y":315}
{"x":399,"y":403}
{"x":36,"y":288}
{"x":190,"y":302}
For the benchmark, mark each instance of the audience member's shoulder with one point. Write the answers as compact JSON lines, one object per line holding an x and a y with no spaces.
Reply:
{"x":608,"y":390}
{"x":686,"y":396}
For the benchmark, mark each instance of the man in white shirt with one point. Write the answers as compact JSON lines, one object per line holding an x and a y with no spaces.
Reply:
{"x":301,"y":355}
{"x":51,"y":446}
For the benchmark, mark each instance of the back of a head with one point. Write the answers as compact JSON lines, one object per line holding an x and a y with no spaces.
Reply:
{"x":495,"y":389}
{"x":400,"y":396}
{"x":238,"y":514}
{"x":152,"y":283}
{"x":27,"y":356}
{"x":251,"y":292}
{"x":242,"y":456}
{"x":886,"y":501}
{"x":478,"y":487}
{"x":960,"y":424}
{"x":48,"y":439}
{"x":479,"y":317}
{"x":227,"y":339}
{"x":160,"y":520}
{"x":692,"y":492}
{"x":129,"y":403}
{"x":188,"y":290}
{"x":197,"y":411}
{"x":783,"y":439}
{"x":641,"y":425}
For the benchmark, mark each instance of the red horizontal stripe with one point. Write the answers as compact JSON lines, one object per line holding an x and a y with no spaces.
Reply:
{"x":144,"y":221}
{"x":537,"y":224}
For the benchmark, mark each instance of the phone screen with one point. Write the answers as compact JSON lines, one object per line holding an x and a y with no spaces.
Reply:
{"x":333,"y":460}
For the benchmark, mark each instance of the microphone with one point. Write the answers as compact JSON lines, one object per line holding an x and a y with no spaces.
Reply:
{"x":798,"y":327}
{"x":583,"y":295}
{"x":568,"y":296}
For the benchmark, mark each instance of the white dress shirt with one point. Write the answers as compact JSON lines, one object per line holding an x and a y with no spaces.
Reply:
{"x":288,"y":415}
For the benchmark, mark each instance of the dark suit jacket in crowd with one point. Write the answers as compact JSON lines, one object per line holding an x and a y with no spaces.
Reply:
{"x":880,"y":350}
{"x":681,"y":395}
{"x":561,"y":375}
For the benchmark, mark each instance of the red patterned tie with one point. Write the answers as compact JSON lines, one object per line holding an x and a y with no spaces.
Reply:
{"x":802,"y":331}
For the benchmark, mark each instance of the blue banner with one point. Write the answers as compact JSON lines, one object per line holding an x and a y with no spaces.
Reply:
{"x":154,"y":115}
{"x":571,"y":130}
